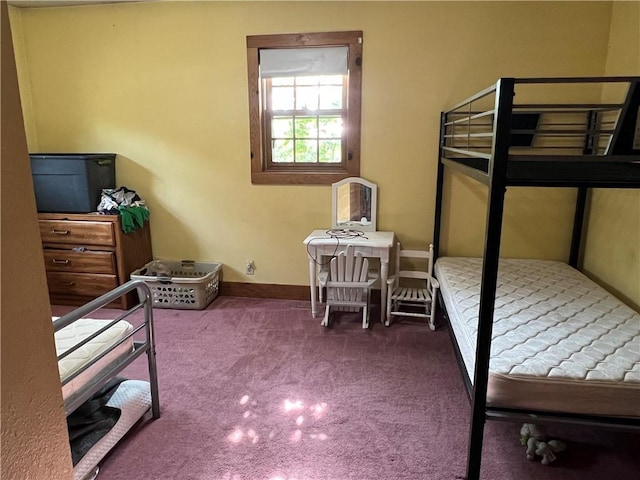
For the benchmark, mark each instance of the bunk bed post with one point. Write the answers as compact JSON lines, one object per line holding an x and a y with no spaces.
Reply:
{"x":493,"y":230}
{"x":622,"y":141}
{"x":144,"y":294}
{"x":581,"y":199}
{"x":439,"y":192}
{"x":578,"y":222}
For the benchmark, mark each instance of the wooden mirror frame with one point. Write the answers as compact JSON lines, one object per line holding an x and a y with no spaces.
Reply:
{"x":353,"y":224}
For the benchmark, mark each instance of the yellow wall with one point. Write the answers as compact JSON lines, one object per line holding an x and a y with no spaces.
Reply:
{"x":31,"y":396}
{"x":613,"y":240}
{"x":164,"y":85}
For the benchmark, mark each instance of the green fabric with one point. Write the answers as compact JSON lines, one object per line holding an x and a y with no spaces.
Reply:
{"x":133,"y":218}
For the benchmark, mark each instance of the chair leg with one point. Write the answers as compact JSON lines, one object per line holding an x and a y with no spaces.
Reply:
{"x":387,"y":321}
{"x":365,"y":317}
{"x":432,"y":317}
{"x":325,"y":320}
{"x":368,"y":307}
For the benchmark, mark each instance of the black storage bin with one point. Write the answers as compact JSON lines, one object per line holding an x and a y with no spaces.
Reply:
{"x":71,"y":182}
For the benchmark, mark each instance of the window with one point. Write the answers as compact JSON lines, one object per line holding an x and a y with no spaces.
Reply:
{"x":304,"y":107}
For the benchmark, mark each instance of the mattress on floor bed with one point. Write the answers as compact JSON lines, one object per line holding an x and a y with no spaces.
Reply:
{"x":560,"y":341}
{"x":76,"y":332}
{"x":133,"y":399}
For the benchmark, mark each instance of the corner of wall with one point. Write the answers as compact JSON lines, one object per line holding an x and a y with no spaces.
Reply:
{"x":611,"y":254}
{"x":16,"y":18}
{"x":34,"y":437}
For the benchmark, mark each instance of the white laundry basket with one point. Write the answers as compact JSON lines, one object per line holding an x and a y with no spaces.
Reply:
{"x":183,"y":285}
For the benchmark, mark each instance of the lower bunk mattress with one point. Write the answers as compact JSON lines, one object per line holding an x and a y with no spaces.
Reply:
{"x":108,"y":341}
{"x":560,"y":341}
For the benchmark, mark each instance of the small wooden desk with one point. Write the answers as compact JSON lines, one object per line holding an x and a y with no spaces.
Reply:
{"x":370,"y":244}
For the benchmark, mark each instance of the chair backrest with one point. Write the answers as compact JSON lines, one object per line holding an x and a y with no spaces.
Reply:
{"x":348,"y":266}
{"x":424,"y":258}
{"x":349,"y":287}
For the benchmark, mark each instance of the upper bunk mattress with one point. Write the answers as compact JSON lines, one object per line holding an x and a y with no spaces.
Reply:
{"x":560,"y":341}
{"x":75,"y":333}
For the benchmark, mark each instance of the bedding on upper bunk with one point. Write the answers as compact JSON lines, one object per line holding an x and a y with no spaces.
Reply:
{"x":560,"y":341}
{"x":75,"y":333}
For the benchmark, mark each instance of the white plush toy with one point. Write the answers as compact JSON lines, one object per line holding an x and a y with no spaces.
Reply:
{"x":546,"y":450}
{"x":533,"y":438}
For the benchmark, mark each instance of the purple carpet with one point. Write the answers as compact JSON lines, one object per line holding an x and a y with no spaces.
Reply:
{"x":254,"y":389}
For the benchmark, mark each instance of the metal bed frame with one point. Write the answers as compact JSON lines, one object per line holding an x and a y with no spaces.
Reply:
{"x":585,"y":145}
{"x":139,"y":347}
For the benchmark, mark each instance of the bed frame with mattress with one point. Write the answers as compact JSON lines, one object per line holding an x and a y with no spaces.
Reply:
{"x":505,"y":136}
{"x":91,"y":352}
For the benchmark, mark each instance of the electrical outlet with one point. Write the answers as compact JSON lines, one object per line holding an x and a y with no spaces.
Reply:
{"x":249,"y":267}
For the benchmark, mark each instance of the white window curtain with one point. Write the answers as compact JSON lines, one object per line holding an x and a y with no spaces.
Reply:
{"x":292,"y":62}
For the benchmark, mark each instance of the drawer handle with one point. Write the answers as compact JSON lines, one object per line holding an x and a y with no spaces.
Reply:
{"x":55,"y":260}
{"x":60,"y":232}
{"x":68,"y":284}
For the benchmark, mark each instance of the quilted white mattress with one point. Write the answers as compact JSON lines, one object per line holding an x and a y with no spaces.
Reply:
{"x":133,"y":398}
{"x":76,"y":332}
{"x":560,"y":341}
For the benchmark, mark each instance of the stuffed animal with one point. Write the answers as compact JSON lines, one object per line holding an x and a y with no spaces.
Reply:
{"x":534,"y":439}
{"x":546,"y":450}
{"x":530,"y":430}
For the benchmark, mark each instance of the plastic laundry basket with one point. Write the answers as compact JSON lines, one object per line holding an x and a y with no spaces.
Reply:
{"x":183,"y":285}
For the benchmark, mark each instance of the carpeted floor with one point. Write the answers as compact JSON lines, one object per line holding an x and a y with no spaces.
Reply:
{"x":256,"y":389}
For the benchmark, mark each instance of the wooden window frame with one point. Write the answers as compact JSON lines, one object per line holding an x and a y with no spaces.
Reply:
{"x":265,"y":172}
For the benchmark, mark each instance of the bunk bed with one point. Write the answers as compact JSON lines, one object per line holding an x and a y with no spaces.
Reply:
{"x":540,"y":132}
{"x":91,"y":354}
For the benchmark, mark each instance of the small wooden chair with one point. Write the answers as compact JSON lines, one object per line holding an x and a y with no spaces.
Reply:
{"x":323,"y":278}
{"x":348,"y":285}
{"x":417,"y":299}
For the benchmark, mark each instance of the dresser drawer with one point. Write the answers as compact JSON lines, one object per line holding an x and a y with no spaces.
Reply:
{"x":105,"y":260}
{"x":84,"y":284}
{"x":79,"y":262}
{"x":79,"y":233}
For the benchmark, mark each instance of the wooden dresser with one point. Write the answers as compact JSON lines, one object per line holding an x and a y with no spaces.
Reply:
{"x":87,"y":255}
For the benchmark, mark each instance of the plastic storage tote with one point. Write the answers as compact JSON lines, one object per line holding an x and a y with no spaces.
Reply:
{"x":71,"y":182}
{"x":182,"y":285}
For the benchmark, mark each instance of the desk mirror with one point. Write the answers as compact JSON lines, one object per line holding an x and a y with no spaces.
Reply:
{"x":353,"y":204}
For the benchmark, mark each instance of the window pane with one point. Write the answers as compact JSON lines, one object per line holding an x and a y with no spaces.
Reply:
{"x":330,"y":151}
{"x":331,"y":80}
{"x":306,"y":98}
{"x":282,"y":81}
{"x":282,"y":98}
{"x":330,"y":127}
{"x":330,"y":97}
{"x":306,"y":151}
{"x":306,"y":127}
{"x":282,"y":127}
{"x":282,"y":151}
{"x":307,"y":80}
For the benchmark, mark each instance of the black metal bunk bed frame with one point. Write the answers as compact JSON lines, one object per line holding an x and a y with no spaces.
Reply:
{"x":608,"y":158}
